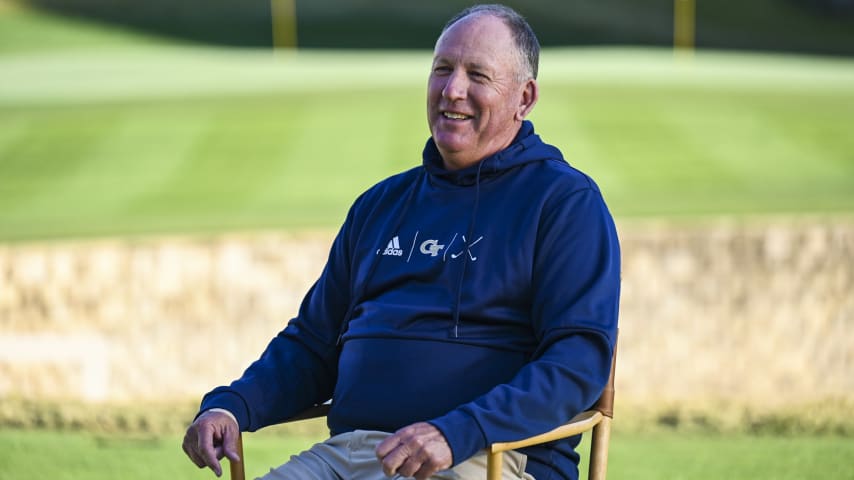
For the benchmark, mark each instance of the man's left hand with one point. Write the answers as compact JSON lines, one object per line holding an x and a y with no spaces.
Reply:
{"x":419,"y":451}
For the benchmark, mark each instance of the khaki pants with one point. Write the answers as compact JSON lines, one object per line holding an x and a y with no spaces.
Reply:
{"x":350,"y":456}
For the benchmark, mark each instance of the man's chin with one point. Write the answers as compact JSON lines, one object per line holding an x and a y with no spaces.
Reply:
{"x":457,"y":158}
{"x":451,"y":142}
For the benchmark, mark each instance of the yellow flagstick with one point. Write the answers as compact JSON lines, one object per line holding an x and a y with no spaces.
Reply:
{"x":684,"y":18}
{"x":284,"y":23}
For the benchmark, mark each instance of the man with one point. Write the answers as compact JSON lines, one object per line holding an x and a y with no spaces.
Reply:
{"x":467,"y":301}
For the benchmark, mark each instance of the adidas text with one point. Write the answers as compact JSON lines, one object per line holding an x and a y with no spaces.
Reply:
{"x":393,"y":248}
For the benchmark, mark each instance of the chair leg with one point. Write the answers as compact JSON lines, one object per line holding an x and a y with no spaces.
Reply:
{"x":493,"y":465}
{"x":599,"y":450}
{"x":237,"y":471}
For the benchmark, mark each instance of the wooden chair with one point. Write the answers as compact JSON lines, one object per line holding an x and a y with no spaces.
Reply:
{"x":598,"y":419}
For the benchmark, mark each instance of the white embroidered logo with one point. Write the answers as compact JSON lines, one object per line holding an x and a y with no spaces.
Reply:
{"x":431,"y":247}
{"x":393,"y":247}
{"x":467,"y":249}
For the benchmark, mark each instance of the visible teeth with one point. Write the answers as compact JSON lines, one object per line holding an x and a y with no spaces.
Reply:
{"x":455,"y":116}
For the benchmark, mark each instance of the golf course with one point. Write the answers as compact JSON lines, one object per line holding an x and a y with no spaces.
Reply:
{"x":104,"y":133}
{"x":113,"y":135}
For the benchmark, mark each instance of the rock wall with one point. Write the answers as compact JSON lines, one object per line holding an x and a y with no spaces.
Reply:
{"x":759,"y":312}
{"x":763,"y":314}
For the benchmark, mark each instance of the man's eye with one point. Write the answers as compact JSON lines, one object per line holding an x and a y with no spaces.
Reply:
{"x":441,"y":69}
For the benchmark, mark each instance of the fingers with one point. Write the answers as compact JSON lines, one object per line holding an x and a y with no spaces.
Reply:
{"x":205,"y":448}
{"x":419,"y":450}
{"x":386,"y":446}
{"x":421,"y":466}
{"x":212,"y":436}
{"x":229,"y":444}
{"x":190,"y":440}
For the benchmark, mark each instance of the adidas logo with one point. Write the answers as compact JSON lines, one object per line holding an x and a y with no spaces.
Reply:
{"x":393,"y":248}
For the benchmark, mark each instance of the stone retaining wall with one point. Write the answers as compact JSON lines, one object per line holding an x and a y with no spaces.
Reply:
{"x":754,"y":312}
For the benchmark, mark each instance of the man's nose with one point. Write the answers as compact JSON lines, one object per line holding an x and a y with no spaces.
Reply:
{"x":456,"y":86}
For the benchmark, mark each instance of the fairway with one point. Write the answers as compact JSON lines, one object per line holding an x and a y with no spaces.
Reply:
{"x":659,"y":456}
{"x":151,"y":138}
{"x":107,"y":132}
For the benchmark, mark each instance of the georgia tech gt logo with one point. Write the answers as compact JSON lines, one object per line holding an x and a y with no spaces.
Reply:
{"x":431,"y":247}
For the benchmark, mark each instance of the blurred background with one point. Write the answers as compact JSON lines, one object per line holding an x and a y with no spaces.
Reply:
{"x":810,"y":26}
{"x":172,"y":175}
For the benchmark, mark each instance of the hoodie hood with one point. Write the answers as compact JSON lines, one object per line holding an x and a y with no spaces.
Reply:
{"x":525,"y":148}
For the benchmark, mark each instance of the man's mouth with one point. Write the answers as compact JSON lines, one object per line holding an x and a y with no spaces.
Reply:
{"x":455,"y":116}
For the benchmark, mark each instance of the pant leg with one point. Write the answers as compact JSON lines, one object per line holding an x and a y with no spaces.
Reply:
{"x":351,"y":456}
{"x":513,"y":468}
{"x":348,"y":456}
{"x":316,"y":463}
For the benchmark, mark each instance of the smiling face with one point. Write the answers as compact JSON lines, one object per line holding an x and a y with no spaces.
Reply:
{"x":477,"y":94}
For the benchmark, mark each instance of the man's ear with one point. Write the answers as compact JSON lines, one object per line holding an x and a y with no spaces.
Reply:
{"x":529,"y":97}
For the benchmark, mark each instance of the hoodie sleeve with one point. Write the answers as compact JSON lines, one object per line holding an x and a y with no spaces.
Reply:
{"x":576,"y":281}
{"x":299,"y":366}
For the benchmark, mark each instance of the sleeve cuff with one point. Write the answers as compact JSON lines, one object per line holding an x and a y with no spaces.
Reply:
{"x":462,"y":433}
{"x":221,"y":410}
{"x":229,"y":401}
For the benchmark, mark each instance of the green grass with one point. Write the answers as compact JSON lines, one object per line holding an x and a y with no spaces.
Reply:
{"x":111,"y":134}
{"x":660,"y":456}
{"x":675,"y":456}
{"x":26,"y":30}
{"x":34,"y":455}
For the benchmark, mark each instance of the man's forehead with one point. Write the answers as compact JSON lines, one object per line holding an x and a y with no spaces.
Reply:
{"x":476,"y":38}
{"x":466,"y":57}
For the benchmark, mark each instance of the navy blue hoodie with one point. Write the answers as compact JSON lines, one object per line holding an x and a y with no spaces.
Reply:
{"x":482,"y":300}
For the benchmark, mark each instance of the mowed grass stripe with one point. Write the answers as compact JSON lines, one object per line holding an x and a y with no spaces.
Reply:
{"x":54,"y":145}
{"x":84,"y":166}
{"x":219,"y":163}
{"x":638,"y":145}
{"x":719,"y":151}
{"x":212,"y":175}
{"x":286,"y":156}
{"x":136,"y":156}
{"x":248,"y":157}
{"x":150,"y":72}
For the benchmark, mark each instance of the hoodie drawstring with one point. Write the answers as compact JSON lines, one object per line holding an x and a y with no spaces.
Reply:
{"x":468,"y":241}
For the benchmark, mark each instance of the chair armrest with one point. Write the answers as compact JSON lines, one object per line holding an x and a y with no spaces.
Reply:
{"x":317,"y":411}
{"x":582,"y":422}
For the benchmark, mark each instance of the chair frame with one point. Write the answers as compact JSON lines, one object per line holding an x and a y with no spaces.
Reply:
{"x":598,"y":419}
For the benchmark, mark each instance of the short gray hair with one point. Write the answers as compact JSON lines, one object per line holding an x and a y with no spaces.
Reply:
{"x":523,"y":35}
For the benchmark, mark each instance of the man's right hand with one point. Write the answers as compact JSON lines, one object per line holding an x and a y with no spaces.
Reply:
{"x":210,"y":438}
